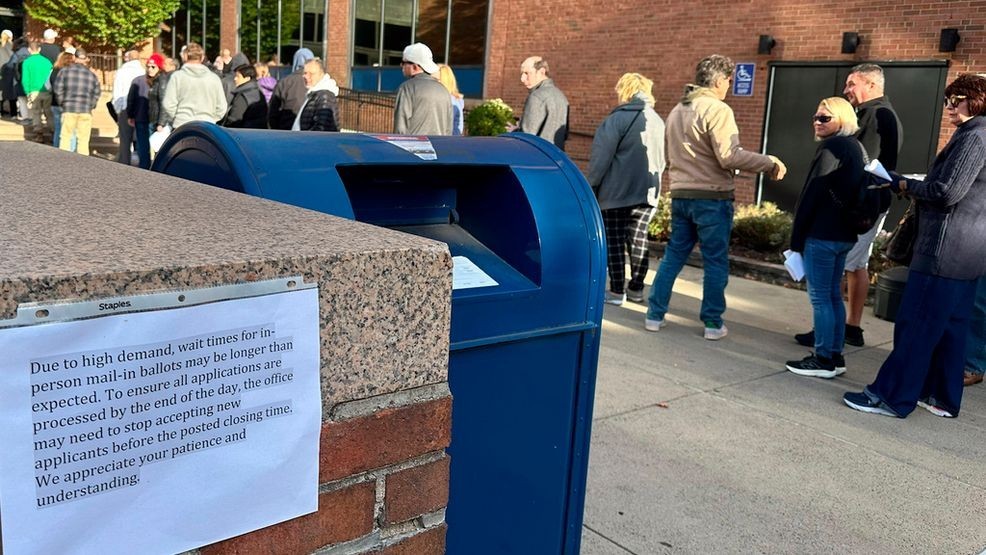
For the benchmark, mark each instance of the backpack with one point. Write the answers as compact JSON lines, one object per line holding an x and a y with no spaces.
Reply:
{"x":871,"y":199}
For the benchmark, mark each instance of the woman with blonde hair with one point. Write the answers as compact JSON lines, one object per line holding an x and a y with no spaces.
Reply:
{"x":625,"y":173}
{"x":447,"y":78}
{"x":822,"y":234}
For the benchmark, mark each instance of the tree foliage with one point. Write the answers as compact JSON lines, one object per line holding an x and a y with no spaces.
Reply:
{"x":290,"y":21}
{"x":113,"y":23}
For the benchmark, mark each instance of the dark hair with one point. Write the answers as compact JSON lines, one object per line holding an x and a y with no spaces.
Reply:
{"x":712,"y":68}
{"x":973,"y":87}
{"x":247,"y":70}
{"x":541,"y":63}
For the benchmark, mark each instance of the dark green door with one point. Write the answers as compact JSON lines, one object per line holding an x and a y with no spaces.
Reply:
{"x":794,"y":90}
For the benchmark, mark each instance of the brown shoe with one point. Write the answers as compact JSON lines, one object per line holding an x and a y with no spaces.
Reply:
{"x":971,"y":379}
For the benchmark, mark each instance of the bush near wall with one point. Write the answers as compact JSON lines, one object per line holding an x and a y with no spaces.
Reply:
{"x":762,"y":231}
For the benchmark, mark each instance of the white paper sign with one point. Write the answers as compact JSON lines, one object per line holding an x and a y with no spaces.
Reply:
{"x":466,"y":274}
{"x":160,"y":431}
{"x":795,"y":264}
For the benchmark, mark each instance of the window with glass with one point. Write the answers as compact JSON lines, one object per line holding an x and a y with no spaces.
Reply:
{"x":455,"y":30}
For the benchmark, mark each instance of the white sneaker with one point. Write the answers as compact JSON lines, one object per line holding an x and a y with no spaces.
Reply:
{"x":715,"y":334}
{"x":654,"y":325}
{"x":615,"y":299}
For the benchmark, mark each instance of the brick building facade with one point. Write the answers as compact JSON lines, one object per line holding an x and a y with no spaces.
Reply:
{"x":588,"y":46}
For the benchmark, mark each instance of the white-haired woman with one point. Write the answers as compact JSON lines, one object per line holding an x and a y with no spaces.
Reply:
{"x":822,"y":233}
{"x":627,"y":159}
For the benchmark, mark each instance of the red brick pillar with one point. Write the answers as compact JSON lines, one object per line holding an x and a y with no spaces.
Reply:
{"x":229,"y":21}
{"x":383,"y":482}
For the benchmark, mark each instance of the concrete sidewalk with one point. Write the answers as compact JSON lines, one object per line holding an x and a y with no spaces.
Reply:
{"x":102,"y":143}
{"x":749,"y":458}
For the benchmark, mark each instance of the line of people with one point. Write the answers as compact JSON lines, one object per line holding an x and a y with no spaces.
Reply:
{"x":940,"y":331}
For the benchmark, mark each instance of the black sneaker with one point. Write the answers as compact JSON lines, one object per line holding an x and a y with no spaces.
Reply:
{"x":854,"y":336}
{"x":863,"y":402}
{"x":805,"y":339}
{"x":840,"y":363}
{"x":813,"y":366}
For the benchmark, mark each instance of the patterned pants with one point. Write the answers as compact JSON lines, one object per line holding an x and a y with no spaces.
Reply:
{"x":626,"y":231}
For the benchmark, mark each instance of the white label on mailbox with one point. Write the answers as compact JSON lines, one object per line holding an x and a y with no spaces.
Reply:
{"x":466,"y":275}
{"x":419,"y":146}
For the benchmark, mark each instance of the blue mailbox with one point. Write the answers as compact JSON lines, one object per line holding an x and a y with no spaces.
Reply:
{"x":527,"y":240}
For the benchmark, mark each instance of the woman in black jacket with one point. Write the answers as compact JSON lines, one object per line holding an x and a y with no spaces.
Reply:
{"x":925,"y":369}
{"x":248,"y":109}
{"x":822,"y":234}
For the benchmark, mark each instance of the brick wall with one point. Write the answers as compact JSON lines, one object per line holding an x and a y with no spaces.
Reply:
{"x":589,"y":45}
{"x":383,"y":482}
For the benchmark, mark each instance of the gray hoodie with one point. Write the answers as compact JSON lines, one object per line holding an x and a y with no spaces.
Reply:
{"x":194,"y":93}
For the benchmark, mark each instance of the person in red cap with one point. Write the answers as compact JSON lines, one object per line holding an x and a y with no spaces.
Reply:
{"x":138,"y":108}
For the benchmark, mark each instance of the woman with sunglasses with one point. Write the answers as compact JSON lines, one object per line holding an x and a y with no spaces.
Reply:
{"x":138,"y":108}
{"x":926,"y":365}
{"x":823,"y":236}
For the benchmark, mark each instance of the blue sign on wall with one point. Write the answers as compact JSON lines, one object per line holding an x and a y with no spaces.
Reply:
{"x":743,"y":79}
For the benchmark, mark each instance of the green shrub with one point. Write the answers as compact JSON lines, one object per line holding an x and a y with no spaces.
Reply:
{"x":764,"y":228}
{"x":659,"y":228}
{"x":489,"y":119}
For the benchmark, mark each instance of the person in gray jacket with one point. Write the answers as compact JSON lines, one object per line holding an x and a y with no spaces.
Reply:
{"x":194,"y":92}
{"x":546,"y":107}
{"x":423,"y":105}
{"x":625,"y":173}
{"x":925,"y":367}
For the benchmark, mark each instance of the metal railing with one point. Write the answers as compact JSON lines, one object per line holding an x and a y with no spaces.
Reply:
{"x":105,"y":66}
{"x":366,"y":112}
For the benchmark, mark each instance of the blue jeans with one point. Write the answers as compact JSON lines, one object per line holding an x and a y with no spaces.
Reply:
{"x":825,"y":261}
{"x":142,"y":130}
{"x":929,"y":344}
{"x":975,"y":344}
{"x":708,"y":222}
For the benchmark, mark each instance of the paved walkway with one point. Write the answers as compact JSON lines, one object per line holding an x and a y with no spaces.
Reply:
{"x":749,"y":458}
{"x":103,"y":142}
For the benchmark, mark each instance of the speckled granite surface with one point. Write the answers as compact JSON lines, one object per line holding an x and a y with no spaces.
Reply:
{"x":84,"y":228}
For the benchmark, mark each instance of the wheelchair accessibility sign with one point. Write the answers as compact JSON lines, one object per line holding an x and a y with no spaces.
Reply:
{"x":743,"y":79}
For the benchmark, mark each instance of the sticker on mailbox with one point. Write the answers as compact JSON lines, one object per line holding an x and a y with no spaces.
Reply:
{"x":466,"y":275}
{"x":418,"y":146}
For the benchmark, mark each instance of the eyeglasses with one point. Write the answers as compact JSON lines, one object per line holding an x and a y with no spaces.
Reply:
{"x":821,"y":119}
{"x":151,"y":66}
{"x":954,"y":100}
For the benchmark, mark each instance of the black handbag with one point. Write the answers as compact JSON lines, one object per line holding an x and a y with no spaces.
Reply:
{"x":900,"y":245}
{"x":111,"y":109}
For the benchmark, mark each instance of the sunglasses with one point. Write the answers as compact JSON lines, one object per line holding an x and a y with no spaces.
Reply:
{"x":954,"y":100}
{"x":151,"y":66}
{"x":821,"y":119}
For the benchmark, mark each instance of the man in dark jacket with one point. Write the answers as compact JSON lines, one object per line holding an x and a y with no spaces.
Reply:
{"x":320,"y":110}
{"x":248,"y":108}
{"x":289,"y":94}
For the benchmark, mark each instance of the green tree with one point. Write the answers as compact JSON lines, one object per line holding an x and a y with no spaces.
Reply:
{"x":290,"y":21}
{"x":115,"y":23}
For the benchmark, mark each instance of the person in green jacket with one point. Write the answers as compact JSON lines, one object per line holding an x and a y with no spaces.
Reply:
{"x":35,"y":71}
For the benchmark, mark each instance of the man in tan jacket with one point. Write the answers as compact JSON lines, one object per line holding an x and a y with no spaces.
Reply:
{"x":704,"y":153}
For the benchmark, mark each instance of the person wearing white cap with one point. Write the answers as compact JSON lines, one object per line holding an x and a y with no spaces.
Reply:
{"x":423,"y":106}
{"x":49,"y":49}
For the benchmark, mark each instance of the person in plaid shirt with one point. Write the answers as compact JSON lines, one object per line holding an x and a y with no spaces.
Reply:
{"x":78,"y":92}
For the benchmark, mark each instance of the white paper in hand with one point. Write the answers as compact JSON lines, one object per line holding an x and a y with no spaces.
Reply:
{"x":795,"y":264}
{"x":877,"y":169}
